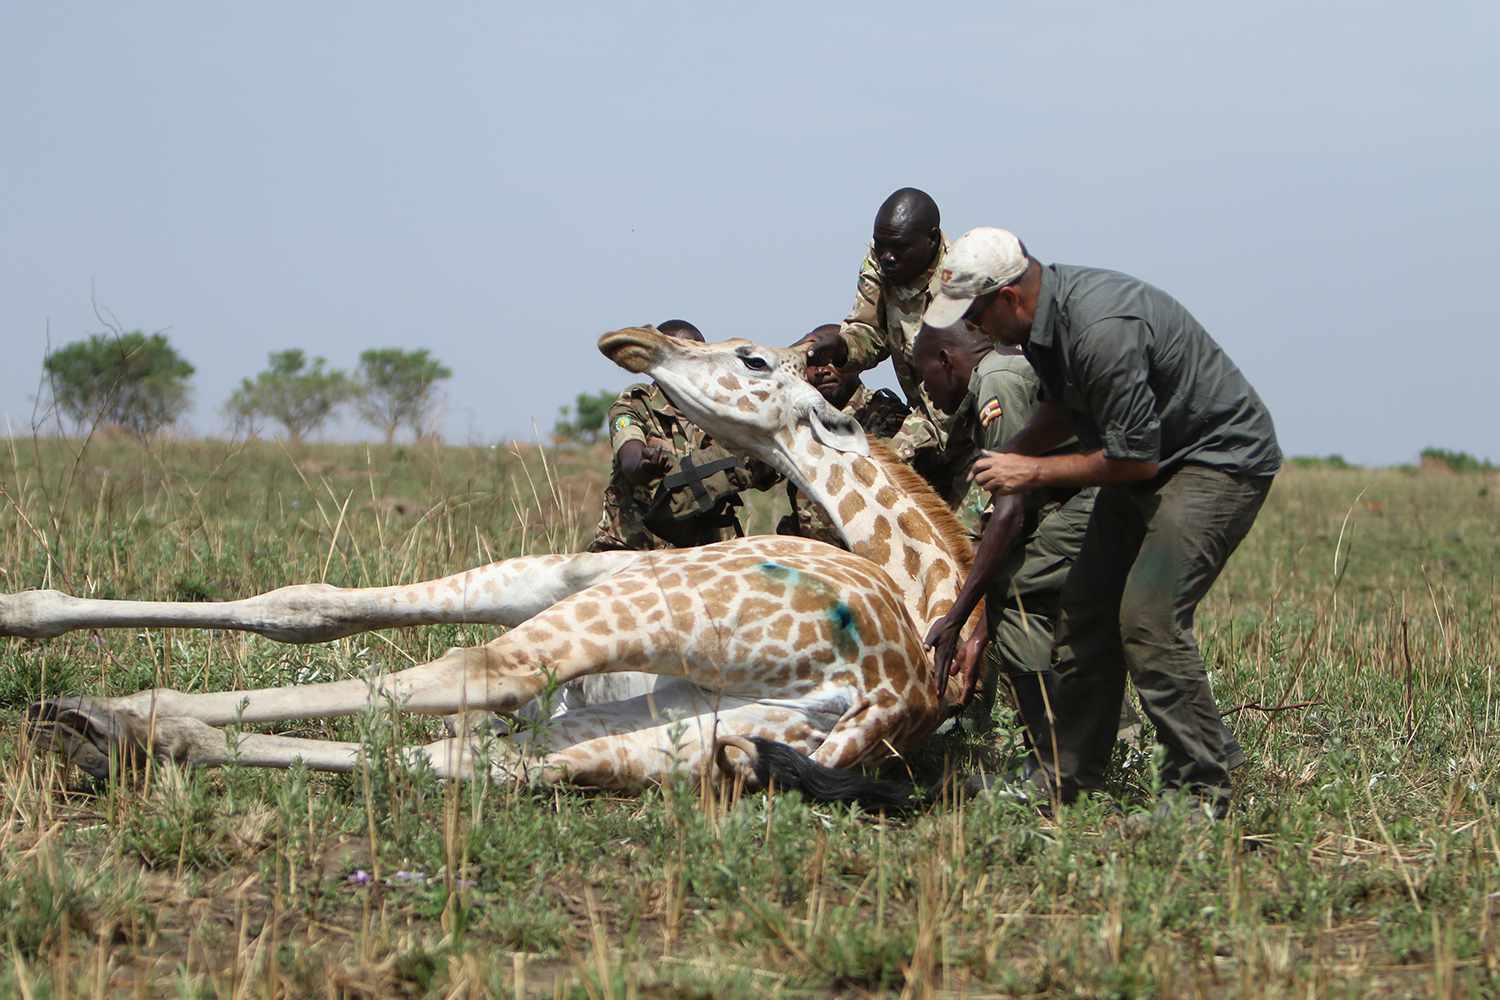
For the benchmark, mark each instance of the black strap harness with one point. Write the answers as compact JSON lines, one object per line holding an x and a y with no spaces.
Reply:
{"x":691,"y":474}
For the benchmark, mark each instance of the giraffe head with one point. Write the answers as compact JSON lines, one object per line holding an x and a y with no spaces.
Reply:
{"x":752,"y":399}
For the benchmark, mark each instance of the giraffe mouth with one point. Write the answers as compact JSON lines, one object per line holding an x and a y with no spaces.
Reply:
{"x":634,"y":348}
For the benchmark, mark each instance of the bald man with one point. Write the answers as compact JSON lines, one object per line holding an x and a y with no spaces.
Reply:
{"x":894,"y":287}
{"x":1025,"y":551}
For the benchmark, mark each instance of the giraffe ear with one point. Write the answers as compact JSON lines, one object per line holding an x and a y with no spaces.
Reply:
{"x":837,"y":429}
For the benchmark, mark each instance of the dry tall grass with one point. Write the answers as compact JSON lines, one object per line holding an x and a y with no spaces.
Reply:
{"x":1361,"y":857}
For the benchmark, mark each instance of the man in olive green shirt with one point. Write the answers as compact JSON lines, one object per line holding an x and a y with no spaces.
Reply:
{"x":894,"y":287}
{"x":1184,"y":452}
{"x":1029,"y":543}
{"x":671,"y":485}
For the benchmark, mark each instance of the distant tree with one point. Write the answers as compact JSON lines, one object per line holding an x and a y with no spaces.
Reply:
{"x":1458,"y":461}
{"x":131,"y":379}
{"x":298,"y":395}
{"x":586,"y":424}
{"x":396,"y":387}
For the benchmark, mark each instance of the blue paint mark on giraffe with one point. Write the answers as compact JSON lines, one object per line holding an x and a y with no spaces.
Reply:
{"x":843,"y":619}
{"x":845,"y":623}
{"x":779,"y":571}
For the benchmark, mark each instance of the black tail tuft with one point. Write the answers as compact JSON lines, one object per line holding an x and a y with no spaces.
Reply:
{"x":789,"y":769}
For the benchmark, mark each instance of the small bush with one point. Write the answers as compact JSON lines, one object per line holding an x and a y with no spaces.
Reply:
{"x":1458,"y":461}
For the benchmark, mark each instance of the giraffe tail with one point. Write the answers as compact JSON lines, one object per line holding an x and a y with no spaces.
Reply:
{"x":772,"y":761}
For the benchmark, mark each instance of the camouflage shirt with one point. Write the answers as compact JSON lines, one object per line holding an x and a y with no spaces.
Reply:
{"x":883,"y":323}
{"x":693,"y":503}
{"x":881,"y":414}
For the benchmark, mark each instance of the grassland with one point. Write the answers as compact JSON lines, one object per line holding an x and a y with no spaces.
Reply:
{"x":1363,"y":855}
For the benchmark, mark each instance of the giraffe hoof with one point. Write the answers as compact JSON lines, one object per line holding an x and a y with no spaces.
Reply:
{"x":82,"y":732}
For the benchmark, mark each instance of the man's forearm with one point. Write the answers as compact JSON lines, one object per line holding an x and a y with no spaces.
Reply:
{"x":862,"y":342}
{"x":999,"y":532}
{"x":1088,"y":469}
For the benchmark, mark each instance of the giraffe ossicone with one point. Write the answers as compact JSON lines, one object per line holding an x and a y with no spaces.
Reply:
{"x":761,"y":640}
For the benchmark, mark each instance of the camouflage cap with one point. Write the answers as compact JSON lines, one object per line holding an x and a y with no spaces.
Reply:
{"x":978,"y":262}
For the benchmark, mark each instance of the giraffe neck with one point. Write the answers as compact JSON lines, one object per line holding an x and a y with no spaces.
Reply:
{"x":888,"y":515}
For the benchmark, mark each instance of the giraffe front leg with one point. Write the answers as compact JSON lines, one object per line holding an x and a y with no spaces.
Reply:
{"x":474,"y":680}
{"x":98,"y":741}
{"x":503,"y":593}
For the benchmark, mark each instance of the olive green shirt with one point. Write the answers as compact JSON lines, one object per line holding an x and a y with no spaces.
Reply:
{"x":1142,"y":379}
{"x":1004,"y":392}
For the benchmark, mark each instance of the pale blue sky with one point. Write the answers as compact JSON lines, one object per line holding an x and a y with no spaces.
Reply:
{"x":1317,"y":182}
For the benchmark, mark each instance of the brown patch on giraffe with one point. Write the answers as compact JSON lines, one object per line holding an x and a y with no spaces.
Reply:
{"x":584,"y":610}
{"x":938,"y":572}
{"x":729,"y":382}
{"x":912,"y":559}
{"x":807,"y":634}
{"x":755,"y":608}
{"x":894,"y":667}
{"x":721,"y":593}
{"x":682,"y":606}
{"x":850,"y":506}
{"x":879,"y":547}
{"x":780,"y":627}
{"x":914,"y":525}
{"x":814,"y":449}
{"x":836,"y":480}
{"x":807,"y":600}
{"x":864,"y":471}
{"x":643,"y":602}
{"x":886,"y":498}
{"x":744,"y":405}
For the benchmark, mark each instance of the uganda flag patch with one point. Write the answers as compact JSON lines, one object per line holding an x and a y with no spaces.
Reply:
{"x":990,"y":412}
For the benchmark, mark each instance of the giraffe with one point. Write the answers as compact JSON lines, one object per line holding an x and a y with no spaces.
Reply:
{"x":771,"y":641}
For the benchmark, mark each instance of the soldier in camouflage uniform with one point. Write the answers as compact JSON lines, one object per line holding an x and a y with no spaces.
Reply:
{"x":895,"y":286}
{"x":878,"y":411}
{"x":671,"y":486}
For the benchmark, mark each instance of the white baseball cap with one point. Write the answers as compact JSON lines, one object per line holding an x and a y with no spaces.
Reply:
{"x":978,"y":262}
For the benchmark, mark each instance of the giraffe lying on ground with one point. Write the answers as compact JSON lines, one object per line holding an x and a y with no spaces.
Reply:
{"x":773,"y":640}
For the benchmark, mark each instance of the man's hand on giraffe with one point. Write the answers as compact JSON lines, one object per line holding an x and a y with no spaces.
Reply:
{"x":827,"y":347}
{"x":942,"y":639}
{"x":968,"y":662}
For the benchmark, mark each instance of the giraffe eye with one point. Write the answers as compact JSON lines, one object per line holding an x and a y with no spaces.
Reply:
{"x":755,"y":364}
